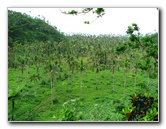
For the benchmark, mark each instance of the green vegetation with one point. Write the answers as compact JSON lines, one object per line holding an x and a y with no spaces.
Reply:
{"x":82,"y":77}
{"x":24,"y":29}
{"x":142,"y":108}
{"x":100,"y":12}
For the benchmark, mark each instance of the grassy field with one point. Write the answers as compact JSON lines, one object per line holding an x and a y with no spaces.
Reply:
{"x":71,"y":99}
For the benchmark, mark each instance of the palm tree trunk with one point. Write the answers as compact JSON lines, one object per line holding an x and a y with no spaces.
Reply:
{"x":81,"y":84}
{"x":73,"y":78}
{"x":113,"y":77}
{"x":124,"y":81}
{"x":18,"y":75}
{"x":148,"y":74}
{"x":113,"y":81}
{"x":15,"y":61}
{"x":68,"y":81}
{"x":27,"y":71}
{"x":135,"y":82}
{"x":96,"y":81}
{"x":13,"y":105}
{"x":51,"y":91}
{"x":35,"y":88}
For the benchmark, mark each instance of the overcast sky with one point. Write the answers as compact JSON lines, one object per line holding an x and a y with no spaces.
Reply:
{"x":115,"y":20}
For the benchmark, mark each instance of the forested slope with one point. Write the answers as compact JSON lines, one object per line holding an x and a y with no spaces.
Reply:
{"x":23,"y":29}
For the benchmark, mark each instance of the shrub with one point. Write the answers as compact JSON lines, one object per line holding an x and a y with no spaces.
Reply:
{"x":141,"y":108}
{"x":67,"y":114}
{"x":70,"y":111}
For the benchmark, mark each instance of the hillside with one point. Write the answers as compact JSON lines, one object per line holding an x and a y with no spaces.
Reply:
{"x":23,"y":29}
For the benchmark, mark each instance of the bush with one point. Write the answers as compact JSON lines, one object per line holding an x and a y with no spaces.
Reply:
{"x":70,"y":111}
{"x":67,"y":114}
{"x":154,"y":75}
{"x":141,"y":108}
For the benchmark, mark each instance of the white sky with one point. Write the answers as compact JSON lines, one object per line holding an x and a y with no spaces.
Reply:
{"x":115,"y":20}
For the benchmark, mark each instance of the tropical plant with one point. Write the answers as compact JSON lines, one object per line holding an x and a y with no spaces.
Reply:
{"x":35,"y":78}
{"x":52,"y":67}
{"x":142,"y":107}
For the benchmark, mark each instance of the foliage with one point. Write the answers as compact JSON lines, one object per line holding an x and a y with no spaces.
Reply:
{"x":121,"y":49}
{"x":14,"y":92}
{"x":142,"y":107}
{"x":70,"y":111}
{"x":35,"y":77}
{"x":149,"y":42}
{"x":105,"y":62}
{"x":23,"y":29}
{"x":100,"y":12}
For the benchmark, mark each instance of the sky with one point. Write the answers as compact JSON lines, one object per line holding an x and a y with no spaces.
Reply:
{"x":115,"y":21}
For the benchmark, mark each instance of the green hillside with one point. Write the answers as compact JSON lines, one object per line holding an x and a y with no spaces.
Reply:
{"x":23,"y":29}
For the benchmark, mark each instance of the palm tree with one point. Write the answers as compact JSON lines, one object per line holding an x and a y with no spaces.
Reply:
{"x":82,"y":68}
{"x":69,"y":62}
{"x":126,"y":65}
{"x":97,"y":72}
{"x":149,"y":66}
{"x":135,"y":59}
{"x":21,"y":62}
{"x":35,"y":78}
{"x":111,"y":65}
{"x":27,"y":59}
{"x":21,"y":67}
{"x":112,"y":70}
{"x":52,"y":67}
{"x":72,"y":64}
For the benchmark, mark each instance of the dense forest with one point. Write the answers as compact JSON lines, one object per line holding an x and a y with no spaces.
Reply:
{"x":57,"y":77}
{"x":24,"y":29}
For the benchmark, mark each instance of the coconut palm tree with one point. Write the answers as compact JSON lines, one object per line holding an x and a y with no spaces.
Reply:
{"x":21,"y":63}
{"x":35,"y":78}
{"x":81,"y":68}
{"x":126,"y":66}
{"x":52,"y":67}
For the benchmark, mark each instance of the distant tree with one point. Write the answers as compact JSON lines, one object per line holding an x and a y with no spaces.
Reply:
{"x":81,"y":68}
{"x":72,"y":65}
{"x":21,"y":64}
{"x":52,"y":67}
{"x":121,"y":50}
{"x":112,"y":70}
{"x":126,"y":65}
{"x":149,"y":42}
{"x":35,"y":78}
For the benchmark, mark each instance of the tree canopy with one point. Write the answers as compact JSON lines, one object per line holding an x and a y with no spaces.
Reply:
{"x":23,"y":29}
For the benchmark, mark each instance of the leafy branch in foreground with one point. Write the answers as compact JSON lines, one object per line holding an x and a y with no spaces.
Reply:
{"x":99,"y":11}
